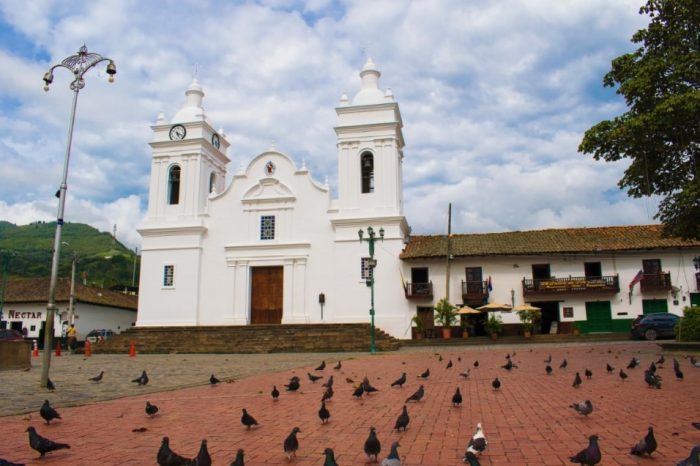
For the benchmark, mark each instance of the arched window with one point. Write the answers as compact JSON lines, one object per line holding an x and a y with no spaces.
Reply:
{"x":367,"y":168}
{"x":174,"y":185}
{"x":212,"y":182}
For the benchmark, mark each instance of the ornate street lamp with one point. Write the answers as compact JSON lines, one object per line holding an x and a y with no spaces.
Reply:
{"x":78,"y":64}
{"x":371,"y":263}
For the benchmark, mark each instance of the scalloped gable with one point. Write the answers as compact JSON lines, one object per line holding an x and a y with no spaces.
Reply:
{"x":269,"y":190}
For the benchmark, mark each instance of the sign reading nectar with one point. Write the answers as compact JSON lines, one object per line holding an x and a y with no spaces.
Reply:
{"x":269,"y":168}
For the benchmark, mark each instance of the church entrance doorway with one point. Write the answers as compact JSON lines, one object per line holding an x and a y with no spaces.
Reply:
{"x":266,"y":295}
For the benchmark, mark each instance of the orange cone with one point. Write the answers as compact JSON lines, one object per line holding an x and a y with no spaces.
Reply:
{"x":88,"y":349}
{"x":35,"y":350}
{"x":132,"y":350}
{"x":58,"y":348}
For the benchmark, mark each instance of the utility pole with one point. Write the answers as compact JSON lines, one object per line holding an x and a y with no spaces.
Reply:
{"x":449,"y":252}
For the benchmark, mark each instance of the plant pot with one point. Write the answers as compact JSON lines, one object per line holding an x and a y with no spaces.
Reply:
{"x":465,"y":333}
{"x":577,"y":332}
{"x":419,"y":335}
{"x":446,"y":333}
{"x":494,"y":336}
{"x":527,"y":333}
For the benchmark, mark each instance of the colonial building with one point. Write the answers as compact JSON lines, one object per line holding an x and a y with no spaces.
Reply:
{"x":273,"y":246}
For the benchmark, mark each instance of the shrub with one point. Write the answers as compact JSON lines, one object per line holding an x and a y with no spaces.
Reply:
{"x":688,"y":327}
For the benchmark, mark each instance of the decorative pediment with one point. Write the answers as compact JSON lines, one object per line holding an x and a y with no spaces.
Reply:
{"x":269,"y":190}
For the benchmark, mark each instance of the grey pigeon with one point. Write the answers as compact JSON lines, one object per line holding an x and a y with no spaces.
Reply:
{"x":359,"y":391}
{"x":476,"y":363}
{"x":4,"y":462}
{"x":634,"y":362}
{"x":652,"y":367}
{"x":563,"y":364}
{"x":42,"y":444}
{"x":313,"y":378}
{"x":329,"y":382}
{"x":465,"y":374}
{"x":548,"y":369}
{"x":50,"y":385}
{"x":330,"y":457}
{"x":417,"y":395}
{"x":275,"y":393}
{"x":652,"y":380}
{"x":583,"y":407}
{"x":403,"y":420}
{"x":676,"y":364}
{"x":291,"y":444}
{"x":213,"y":380}
{"x":609,"y":368}
{"x":661,"y":360}
{"x":98,"y":377}
{"x":449,"y":364}
{"x":142,"y":379}
{"x":457,"y":398}
{"x":293,"y":385}
{"x":509,"y":365}
{"x":589,"y":456}
{"x":623,"y":375}
{"x":425,"y":374}
{"x":577,"y":381}
{"x":337,"y":368}
{"x":400,"y":381}
{"x":478,"y":443}
{"x":393,"y":459}
{"x":496,"y":384}
{"x":549,"y":359}
{"x":372,"y":445}
{"x":323,"y":413}
{"x":367,"y":386}
{"x":471,"y":458}
{"x":694,"y":362}
{"x":693,"y":459}
{"x":588,"y":373}
{"x":696,"y":425}
{"x":328,"y":394}
{"x":151,"y":410}
{"x":48,"y":413}
{"x":167,"y":457}
{"x":321,"y":366}
{"x":202,"y":458}
{"x":645,"y":446}
{"x":238,"y":461}
{"x":678,"y":372}
{"x":247,"y":420}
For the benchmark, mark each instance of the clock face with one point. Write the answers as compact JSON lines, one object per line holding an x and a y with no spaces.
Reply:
{"x":177,"y":132}
{"x":215,"y":140}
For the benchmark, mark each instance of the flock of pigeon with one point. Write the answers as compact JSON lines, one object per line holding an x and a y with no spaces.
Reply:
{"x":476,"y":445}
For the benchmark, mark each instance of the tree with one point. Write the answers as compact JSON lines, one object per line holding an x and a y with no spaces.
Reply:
{"x":660,"y":132}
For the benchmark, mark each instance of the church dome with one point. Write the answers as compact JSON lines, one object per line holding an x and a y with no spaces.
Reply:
{"x":192,"y":109}
{"x":370,"y":92}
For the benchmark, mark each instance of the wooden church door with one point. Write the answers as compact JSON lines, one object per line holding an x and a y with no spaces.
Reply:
{"x":266,"y":295}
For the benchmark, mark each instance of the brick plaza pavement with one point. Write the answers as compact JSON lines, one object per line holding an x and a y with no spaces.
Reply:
{"x":528,"y":422}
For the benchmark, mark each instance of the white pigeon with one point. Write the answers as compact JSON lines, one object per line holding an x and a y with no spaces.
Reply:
{"x":477,"y":444}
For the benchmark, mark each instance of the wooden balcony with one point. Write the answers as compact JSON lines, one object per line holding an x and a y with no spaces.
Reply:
{"x":570,"y":285}
{"x":656,"y":282}
{"x":418,"y":290}
{"x":475,"y":293}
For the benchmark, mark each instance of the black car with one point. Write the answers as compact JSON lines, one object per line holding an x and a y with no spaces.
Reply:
{"x":653,"y":326}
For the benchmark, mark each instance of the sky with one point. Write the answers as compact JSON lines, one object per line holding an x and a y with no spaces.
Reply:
{"x":495,"y":97}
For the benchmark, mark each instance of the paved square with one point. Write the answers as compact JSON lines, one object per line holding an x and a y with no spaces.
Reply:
{"x":527,"y":422}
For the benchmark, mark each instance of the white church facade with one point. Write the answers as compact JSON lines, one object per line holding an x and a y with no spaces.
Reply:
{"x":273,"y":245}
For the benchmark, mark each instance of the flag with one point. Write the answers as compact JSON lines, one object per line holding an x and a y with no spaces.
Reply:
{"x":637,"y":278}
{"x":490,"y":286}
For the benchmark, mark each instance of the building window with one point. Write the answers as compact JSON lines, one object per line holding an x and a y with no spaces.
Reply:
{"x":174,"y":185}
{"x":592,"y":269}
{"x":366,"y":270}
{"x":169,"y":276}
{"x":267,"y":227}
{"x":367,"y":166}
{"x":212,"y":182}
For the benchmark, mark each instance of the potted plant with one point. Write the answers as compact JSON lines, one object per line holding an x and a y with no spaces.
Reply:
{"x":527,"y":318}
{"x":494,"y":326}
{"x":576,"y":330}
{"x":465,"y":327}
{"x":420,"y":326}
{"x":445,"y":315}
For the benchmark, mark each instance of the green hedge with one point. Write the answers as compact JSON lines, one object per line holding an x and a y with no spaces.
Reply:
{"x":688,"y":327}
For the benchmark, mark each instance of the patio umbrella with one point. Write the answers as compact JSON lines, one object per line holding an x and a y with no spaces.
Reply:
{"x":495,"y":307}
{"x":467,"y":310}
{"x":526,"y":307}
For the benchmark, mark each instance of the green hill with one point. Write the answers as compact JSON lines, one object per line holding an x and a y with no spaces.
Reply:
{"x":101,"y":261}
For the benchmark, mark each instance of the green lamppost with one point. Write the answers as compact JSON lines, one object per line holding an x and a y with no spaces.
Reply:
{"x":371,"y":264}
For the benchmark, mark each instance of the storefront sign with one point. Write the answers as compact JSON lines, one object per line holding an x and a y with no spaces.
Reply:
{"x":24,"y":315}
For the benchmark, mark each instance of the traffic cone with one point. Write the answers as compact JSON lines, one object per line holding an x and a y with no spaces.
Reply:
{"x":35,"y":350}
{"x":88,"y":349}
{"x":132,"y":350}
{"x":58,"y":348}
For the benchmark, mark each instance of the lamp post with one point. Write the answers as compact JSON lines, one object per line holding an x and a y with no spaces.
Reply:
{"x":78,"y":64}
{"x":371,"y":263}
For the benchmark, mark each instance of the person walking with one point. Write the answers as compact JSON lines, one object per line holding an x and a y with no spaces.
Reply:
{"x":72,"y":334}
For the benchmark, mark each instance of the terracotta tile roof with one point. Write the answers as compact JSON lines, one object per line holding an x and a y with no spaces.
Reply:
{"x":36,"y":290}
{"x":552,"y":241}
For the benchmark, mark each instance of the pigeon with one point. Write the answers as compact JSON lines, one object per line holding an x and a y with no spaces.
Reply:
{"x":645,"y":446}
{"x":623,"y":375}
{"x":470,"y":457}
{"x":676,"y":364}
{"x":449,"y":364}
{"x":400,"y":381}
{"x":476,"y":363}
{"x":563,"y":364}
{"x":167,"y":457}
{"x":508,"y":356}
{"x":323,"y":413}
{"x":50,"y":385}
{"x":151,"y":410}
{"x":393,"y":459}
{"x":583,"y":407}
{"x":328,"y":394}
{"x":693,"y":459}
{"x":42,"y":444}
{"x":367,"y":386}
{"x":403,"y":420}
{"x":549,"y":359}
{"x":247,"y":420}
{"x":548,"y":369}
{"x":694,"y":362}
{"x":48,"y":413}
{"x":275,"y":393}
{"x":142,"y":379}
{"x":661,"y":360}
{"x":314,"y":378}
{"x":337,"y":368}
{"x":359,"y":391}
{"x":652,"y":380}
{"x":349,"y":380}
{"x":577,"y":381}
{"x":293,"y":385}
{"x":589,"y":456}
{"x":425,"y":374}
{"x":238,"y":461}
{"x":372,"y":445}
{"x":457,"y":398}
{"x":98,"y":377}
{"x":477,"y":444}
{"x":4,"y":462}
{"x":321,"y":366}
{"x":465,"y":374}
{"x":440,"y":357}
{"x":634,"y":362}
{"x":609,"y":368}
{"x":213,"y":380}
{"x":291,"y":444}
{"x":652,"y":367}
{"x":459,"y":358}
{"x":417,"y":395}
{"x":696,"y":425}
{"x":678,"y":372}
{"x":588,"y":373}
{"x":508,"y":365}
{"x":330,"y":457}
{"x":329,"y":382}
{"x":202,"y":458}
{"x":496,"y":384}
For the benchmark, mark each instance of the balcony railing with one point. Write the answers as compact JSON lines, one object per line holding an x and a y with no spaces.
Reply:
{"x":656,"y":282}
{"x":576,"y":285}
{"x":418,"y":290}
{"x":475,"y":292}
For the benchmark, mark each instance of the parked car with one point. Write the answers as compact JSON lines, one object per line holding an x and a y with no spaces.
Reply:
{"x":10,"y":334}
{"x":653,"y":326}
{"x":99,"y":335}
